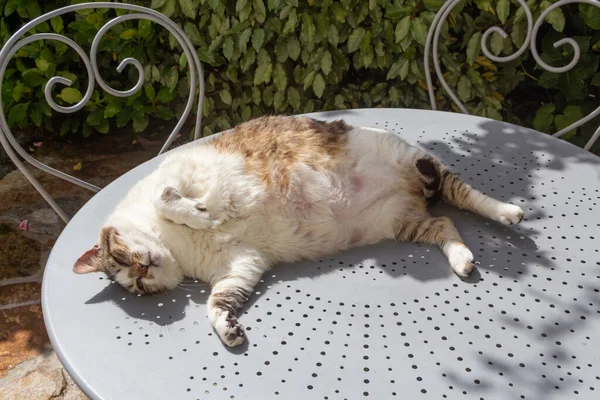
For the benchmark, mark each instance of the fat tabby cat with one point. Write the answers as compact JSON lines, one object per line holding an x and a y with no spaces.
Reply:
{"x":275,"y":190}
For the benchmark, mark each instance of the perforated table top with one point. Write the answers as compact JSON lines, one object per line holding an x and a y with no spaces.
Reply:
{"x":385,"y":321}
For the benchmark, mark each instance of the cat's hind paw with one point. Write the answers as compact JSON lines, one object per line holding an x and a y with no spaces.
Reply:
{"x":509,"y":214}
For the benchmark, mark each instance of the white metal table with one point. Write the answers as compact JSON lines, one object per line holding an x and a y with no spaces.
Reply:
{"x":385,"y":321}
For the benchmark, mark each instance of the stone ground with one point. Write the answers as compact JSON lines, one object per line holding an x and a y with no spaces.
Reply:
{"x":29,"y":369}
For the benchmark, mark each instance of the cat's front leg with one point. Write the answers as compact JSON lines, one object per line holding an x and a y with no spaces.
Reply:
{"x":231,"y":291}
{"x":172,"y":205}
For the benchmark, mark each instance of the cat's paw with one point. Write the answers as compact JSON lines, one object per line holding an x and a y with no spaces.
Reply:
{"x":231,"y":331}
{"x":509,"y":214}
{"x":460,"y":258}
{"x":200,"y":218}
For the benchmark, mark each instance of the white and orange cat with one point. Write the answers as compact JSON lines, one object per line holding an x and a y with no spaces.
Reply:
{"x":273,"y":190}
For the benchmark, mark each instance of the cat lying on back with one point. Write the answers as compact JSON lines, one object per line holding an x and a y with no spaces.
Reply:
{"x":275,"y":190}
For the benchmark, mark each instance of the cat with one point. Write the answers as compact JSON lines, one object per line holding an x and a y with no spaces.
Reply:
{"x":275,"y":190}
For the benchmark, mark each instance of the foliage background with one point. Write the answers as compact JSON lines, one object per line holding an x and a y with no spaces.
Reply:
{"x":290,"y":56}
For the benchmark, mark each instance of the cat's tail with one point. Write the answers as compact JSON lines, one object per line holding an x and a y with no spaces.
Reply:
{"x":441,"y":183}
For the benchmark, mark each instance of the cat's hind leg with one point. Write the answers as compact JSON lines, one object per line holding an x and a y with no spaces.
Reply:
{"x":440,"y":182}
{"x":439,"y":231}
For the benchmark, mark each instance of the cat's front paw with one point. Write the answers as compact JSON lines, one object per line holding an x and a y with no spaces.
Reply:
{"x":460,"y":258}
{"x":509,"y":214}
{"x":200,"y":218}
{"x":232,"y":332}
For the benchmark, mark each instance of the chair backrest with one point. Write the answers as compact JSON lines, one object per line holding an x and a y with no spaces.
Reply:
{"x":530,"y":41}
{"x":18,"y":40}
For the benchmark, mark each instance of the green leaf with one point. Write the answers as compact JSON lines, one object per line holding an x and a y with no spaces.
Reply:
{"x":274,"y":4}
{"x":308,"y":80}
{"x":128,"y":34}
{"x":10,"y":7}
{"x":36,"y":114}
{"x":572,"y":84}
{"x":395,"y":69}
{"x":543,"y":118}
{"x":260,"y":12}
{"x":172,"y":79}
{"x":32,"y":77}
{"x":57,"y":24}
{"x":45,"y":108}
{"x":103,"y":126}
{"x":248,"y":60}
{"x":243,"y":40}
{"x":164,"y":95}
{"x":290,"y":24}
{"x":246,"y":113}
{"x":355,"y":39}
{"x":228,"y":48}
{"x":157,"y":4}
{"x":590,"y":15}
{"x":140,"y":125}
{"x":155,"y":74}
{"x":163,"y":112}
{"x":326,"y":63}
{"x":402,"y":29}
{"x":318,"y":85}
{"x":240,"y":4}
{"x":95,"y":117}
{"x":518,"y":33}
{"x":570,"y":115}
{"x":464,"y":89}
{"x":263,"y":73}
{"x":307,"y":34}
{"x":280,"y":78}
{"x":294,"y":97}
{"x":503,"y":9}
{"x":18,"y":113}
{"x":496,"y":43}
{"x":333,"y":35}
{"x":47,"y":54}
{"x":556,"y":18}
{"x":64,"y":127}
{"x":112,"y":109}
{"x":18,"y":91}
{"x":294,"y":48}
{"x":473,"y":48}
{"x":42,"y":64}
{"x":123,"y":118}
{"x":258,"y":37}
{"x":71,"y":95}
{"x":256,"y":95}
{"x":483,"y":5}
{"x":193,"y":33}
{"x":419,"y":30}
{"x":225,"y":97}
{"x":144,"y":28}
{"x":189,"y":8}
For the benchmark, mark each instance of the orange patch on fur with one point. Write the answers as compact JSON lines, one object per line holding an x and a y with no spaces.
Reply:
{"x":272,"y":146}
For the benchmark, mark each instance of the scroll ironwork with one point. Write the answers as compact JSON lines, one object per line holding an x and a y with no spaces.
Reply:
{"x":432,"y":43}
{"x":18,"y":40}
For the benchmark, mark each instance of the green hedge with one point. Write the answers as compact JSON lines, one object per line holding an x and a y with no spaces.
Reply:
{"x":289,"y":56}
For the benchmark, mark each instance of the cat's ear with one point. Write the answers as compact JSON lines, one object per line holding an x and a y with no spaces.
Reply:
{"x":88,"y":262}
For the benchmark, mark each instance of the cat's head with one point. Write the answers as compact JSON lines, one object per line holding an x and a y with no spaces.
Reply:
{"x":136,"y":259}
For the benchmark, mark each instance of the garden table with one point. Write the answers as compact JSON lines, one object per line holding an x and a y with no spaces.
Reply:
{"x":384,"y":321}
